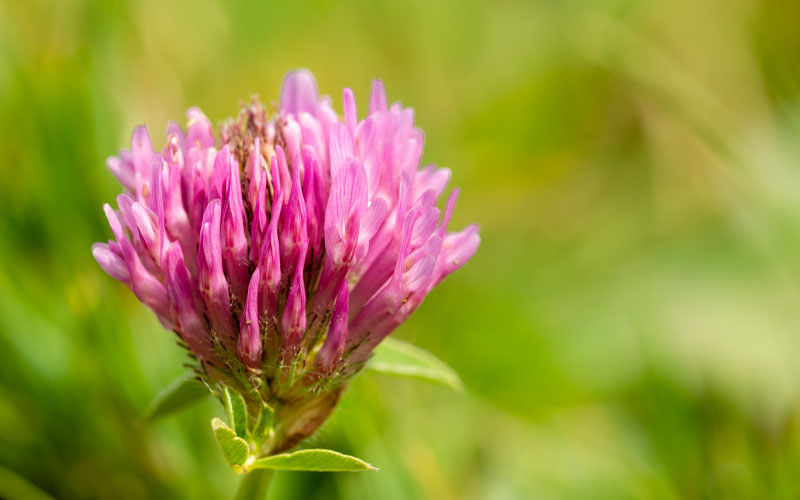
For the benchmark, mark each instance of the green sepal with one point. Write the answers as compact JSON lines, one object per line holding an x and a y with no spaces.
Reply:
{"x":312,"y":460}
{"x":235,"y":449}
{"x":237,"y":411}
{"x":395,"y":357}
{"x":182,"y":392}
{"x":264,"y":425}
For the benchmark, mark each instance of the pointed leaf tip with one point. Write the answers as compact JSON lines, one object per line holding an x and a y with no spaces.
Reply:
{"x":313,"y":460}
{"x":395,"y":357}
{"x":182,"y":392}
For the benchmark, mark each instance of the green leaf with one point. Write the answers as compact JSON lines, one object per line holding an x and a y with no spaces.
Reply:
{"x":14,"y":487}
{"x":313,"y":460}
{"x":233,"y":447}
{"x":237,"y":412}
{"x":395,"y":357}
{"x":264,"y":424}
{"x":180,"y":393}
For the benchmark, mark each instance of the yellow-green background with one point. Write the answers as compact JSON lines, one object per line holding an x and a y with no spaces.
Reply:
{"x":629,"y":328}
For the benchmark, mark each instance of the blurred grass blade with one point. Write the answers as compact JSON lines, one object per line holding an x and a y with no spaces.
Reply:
{"x":395,"y":357}
{"x":233,"y":447}
{"x":14,"y":487}
{"x":313,"y":460}
{"x":180,"y":393}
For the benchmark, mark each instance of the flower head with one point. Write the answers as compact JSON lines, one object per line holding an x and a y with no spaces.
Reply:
{"x":283,"y":252}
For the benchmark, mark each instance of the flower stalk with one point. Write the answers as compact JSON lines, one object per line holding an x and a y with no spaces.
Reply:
{"x":254,"y":485}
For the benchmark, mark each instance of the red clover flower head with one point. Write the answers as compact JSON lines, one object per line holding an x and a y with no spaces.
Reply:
{"x":285,"y":250}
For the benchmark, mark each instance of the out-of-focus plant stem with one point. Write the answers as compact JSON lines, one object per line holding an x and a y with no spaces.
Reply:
{"x":254,"y":485}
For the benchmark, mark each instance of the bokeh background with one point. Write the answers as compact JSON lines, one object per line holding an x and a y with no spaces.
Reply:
{"x":629,"y":328}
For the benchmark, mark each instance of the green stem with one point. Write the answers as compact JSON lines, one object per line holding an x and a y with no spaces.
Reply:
{"x":254,"y":485}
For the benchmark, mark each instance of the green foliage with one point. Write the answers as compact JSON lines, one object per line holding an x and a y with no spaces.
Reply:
{"x":237,"y":451}
{"x":13,"y":487}
{"x":263,"y":426}
{"x":627,"y":329}
{"x":234,"y":448}
{"x":182,"y":392}
{"x":313,"y":460}
{"x":237,"y":411}
{"x":395,"y":357}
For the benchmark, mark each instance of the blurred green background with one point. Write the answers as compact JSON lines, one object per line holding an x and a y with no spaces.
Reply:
{"x":627,"y":329}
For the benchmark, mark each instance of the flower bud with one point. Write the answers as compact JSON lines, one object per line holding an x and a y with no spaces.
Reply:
{"x":299,"y":93}
{"x":333,"y":348}
{"x":293,"y":234}
{"x":213,"y":284}
{"x":111,"y":262}
{"x":249,"y":347}
{"x":269,"y":264}
{"x":184,"y":307}
{"x":147,"y":288}
{"x":350,"y":114}
{"x":293,"y":323}
{"x":234,"y":238}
